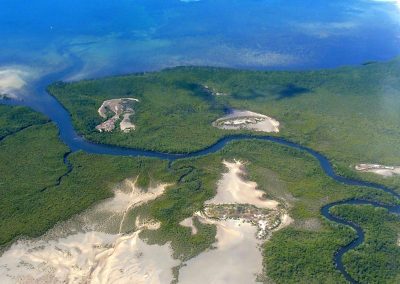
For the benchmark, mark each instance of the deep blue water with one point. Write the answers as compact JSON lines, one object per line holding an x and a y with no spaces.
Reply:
{"x":135,"y":35}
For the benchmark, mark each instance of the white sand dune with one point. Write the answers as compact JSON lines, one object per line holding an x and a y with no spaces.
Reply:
{"x":91,"y":257}
{"x":236,"y":259}
{"x":73,"y":252}
{"x":233,"y":189}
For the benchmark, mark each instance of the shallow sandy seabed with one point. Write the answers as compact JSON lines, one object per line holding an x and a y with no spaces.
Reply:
{"x":89,"y":256}
{"x":12,"y":80}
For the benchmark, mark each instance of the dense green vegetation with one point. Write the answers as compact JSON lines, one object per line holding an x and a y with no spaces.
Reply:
{"x":31,"y":162}
{"x":13,"y":119}
{"x":300,"y":256}
{"x":350,"y":114}
{"x":32,"y":201}
{"x":377,"y":260}
{"x":301,"y":185}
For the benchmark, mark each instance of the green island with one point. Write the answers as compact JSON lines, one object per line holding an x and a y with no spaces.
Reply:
{"x":347,"y":114}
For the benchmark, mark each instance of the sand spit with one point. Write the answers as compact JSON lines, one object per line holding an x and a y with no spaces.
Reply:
{"x":73,"y":252}
{"x":244,"y":119}
{"x":244,"y":219}
{"x":233,"y":189}
{"x":118,"y":107}
{"x":188,"y":222}
{"x":386,"y":171}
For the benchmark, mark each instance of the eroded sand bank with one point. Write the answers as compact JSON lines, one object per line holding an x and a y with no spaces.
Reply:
{"x":244,"y":119}
{"x":386,"y":171}
{"x":88,"y":248}
{"x":122,"y":106}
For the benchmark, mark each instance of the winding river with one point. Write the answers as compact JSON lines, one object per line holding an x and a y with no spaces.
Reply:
{"x":42,"y":102}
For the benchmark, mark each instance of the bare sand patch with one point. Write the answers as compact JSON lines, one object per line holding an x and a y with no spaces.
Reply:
{"x":386,"y":171}
{"x":122,"y":106}
{"x":233,"y":189}
{"x":188,"y":222}
{"x":72,"y":252}
{"x":244,"y":119}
